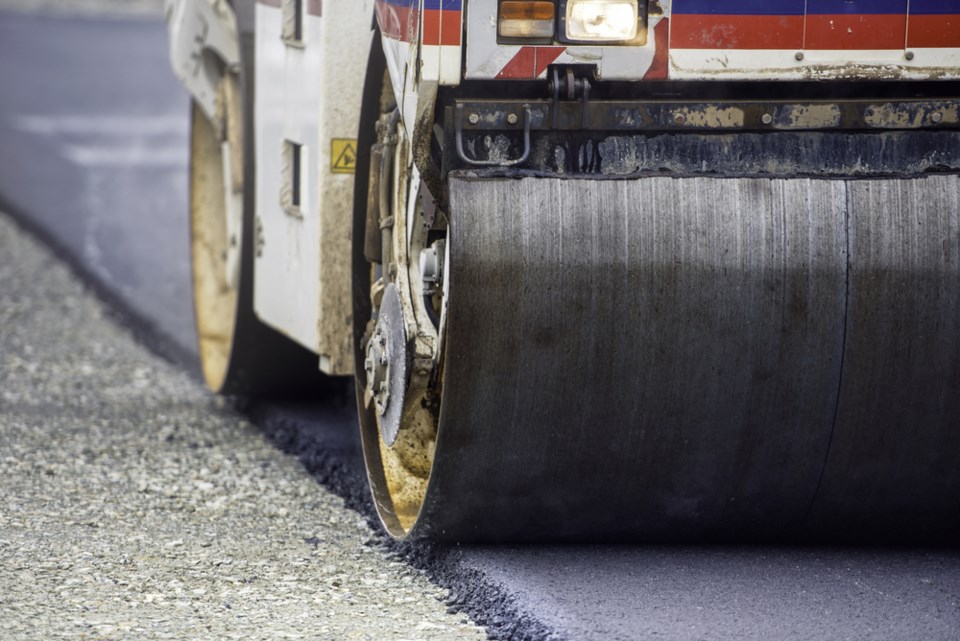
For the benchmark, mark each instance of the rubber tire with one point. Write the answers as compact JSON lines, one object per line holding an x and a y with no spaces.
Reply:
{"x":259,"y":361}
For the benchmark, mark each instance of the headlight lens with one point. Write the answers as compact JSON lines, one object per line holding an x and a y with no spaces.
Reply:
{"x":530,"y":20}
{"x":602,"y":20}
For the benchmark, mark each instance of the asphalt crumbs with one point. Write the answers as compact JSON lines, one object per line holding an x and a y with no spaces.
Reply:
{"x":135,"y":505}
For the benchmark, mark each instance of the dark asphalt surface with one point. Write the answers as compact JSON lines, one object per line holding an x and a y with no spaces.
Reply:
{"x":93,"y":157}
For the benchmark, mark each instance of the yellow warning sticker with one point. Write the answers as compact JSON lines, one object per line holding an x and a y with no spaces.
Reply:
{"x":343,"y":156}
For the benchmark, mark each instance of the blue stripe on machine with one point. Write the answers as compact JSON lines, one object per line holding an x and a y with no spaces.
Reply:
{"x":739,"y":7}
{"x":798,"y":7}
{"x":934,"y":7}
{"x":863,"y":7}
{"x":446,"y":5}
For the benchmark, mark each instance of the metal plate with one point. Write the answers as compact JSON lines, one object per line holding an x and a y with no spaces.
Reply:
{"x":668,"y":368}
{"x":699,"y":359}
{"x":894,"y":464}
{"x":672,"y":366}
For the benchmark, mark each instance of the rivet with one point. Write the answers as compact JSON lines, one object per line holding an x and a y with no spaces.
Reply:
{"x":908,"y":55}
{"x":474,"y":119}
{"x":766,"y":119}
{"x":798,"y":55}
{"x":512,"y":119}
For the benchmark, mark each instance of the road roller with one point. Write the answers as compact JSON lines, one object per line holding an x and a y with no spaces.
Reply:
{"x":600,"y":270}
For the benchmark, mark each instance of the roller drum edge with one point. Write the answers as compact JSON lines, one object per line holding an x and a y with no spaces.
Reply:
{"x":668,"y":359}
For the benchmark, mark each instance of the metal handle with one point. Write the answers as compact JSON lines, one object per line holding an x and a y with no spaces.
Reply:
{"x":494,"y":163}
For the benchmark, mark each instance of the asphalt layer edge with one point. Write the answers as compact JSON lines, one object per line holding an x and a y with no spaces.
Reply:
{"x":147,"y":333}
{"x":470,"y":592}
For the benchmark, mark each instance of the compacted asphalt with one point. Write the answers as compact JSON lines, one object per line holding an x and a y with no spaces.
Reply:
{"x":93,"y":135}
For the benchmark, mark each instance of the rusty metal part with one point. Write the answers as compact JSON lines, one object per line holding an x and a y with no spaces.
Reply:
{"x":372,"y":237}
{"x":741,"y":115}
{"x":832,"y":153}
{"x":499,"y":160}
{"x":378,"y":223}
{"x":693,"y":358}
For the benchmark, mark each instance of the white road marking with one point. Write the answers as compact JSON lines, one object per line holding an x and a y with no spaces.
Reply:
{"x":120,"y":125}
{"x":140,"y":156}
{"x":113,"y":141}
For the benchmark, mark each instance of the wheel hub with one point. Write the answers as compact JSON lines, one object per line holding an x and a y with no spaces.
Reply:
{"x":387,"y":365}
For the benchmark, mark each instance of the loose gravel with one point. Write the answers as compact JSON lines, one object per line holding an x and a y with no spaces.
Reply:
{"x":134,"y":505}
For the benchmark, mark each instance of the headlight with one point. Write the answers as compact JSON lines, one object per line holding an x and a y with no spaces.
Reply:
{"x":528,"y":20}
{"x":601,"y":20}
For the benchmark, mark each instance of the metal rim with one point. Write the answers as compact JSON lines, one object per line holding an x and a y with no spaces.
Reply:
{"x":215,"y":297}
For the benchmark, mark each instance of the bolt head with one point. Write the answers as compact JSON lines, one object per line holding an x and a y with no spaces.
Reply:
{"x":512,"y":119}
{"x":936,"y":117}
{"x":474,"y":119}
{"x":766,"y":119}
{"x":798,"y":56}
{"x":908,"y":55}
{"x":679,"y":119}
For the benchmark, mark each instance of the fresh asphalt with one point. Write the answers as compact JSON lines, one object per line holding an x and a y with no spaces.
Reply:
{"x":93,"y":158}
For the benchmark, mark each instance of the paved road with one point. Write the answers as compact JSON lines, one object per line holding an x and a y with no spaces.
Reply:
{"x":95,"y":149}
{"x":532,"y":592}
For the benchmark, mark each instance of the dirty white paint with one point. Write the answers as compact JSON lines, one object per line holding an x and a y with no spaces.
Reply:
{"x":782,"y":64}
{"x":308,"y":93}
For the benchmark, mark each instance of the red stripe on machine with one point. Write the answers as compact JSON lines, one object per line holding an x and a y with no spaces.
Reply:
{"x":660,"y":67}
{"x":451,"y":28}
{"x":398,"y":22}
{"x":530,"y":62}
{"x":431,"y":26}
{"x":689,"y":31}
{"x":934,"y":31}
{"x":441,"y":27}
{"x":853,"y":31}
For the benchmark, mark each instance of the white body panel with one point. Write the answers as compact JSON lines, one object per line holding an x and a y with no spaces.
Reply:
{"x":309,"y":94}
{"x":196,"y":28}
{"x":782,"y":64}
{"x":399,"y":56}
{"x":486,"y":59}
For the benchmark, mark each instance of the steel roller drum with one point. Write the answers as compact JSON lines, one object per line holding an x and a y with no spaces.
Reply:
{"x":699,"y":359}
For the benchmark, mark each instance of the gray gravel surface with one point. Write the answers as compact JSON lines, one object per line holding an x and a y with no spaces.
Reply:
{"x":136,"y":506}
